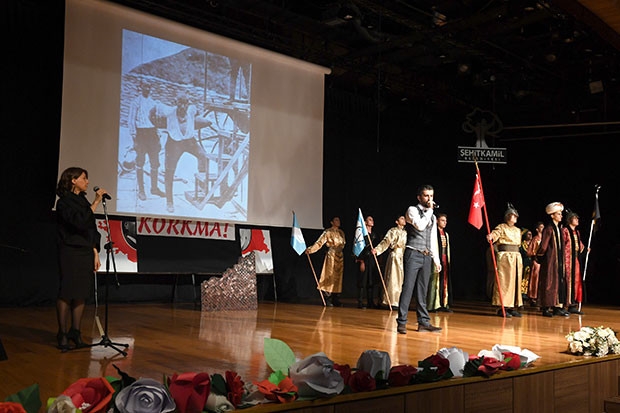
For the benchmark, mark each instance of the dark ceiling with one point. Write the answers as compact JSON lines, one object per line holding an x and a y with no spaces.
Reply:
{"x":530,"y":62}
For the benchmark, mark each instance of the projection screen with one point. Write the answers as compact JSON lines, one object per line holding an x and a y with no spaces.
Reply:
{"x":174,"y":121}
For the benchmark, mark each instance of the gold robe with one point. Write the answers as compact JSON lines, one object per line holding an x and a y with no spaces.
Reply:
{"x":509,"y":266}
{"x":396,"y":239}
{"x":333,"y":265}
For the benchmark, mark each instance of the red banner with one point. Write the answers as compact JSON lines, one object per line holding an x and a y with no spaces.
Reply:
{"x":185,"y":228}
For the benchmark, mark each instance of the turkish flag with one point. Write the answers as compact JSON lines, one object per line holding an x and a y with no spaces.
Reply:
{"x":477,"y":202}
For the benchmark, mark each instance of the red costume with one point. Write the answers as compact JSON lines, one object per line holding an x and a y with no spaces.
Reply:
{"x":572,"y":269}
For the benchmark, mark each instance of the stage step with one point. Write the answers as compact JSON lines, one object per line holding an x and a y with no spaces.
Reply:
{"x":612,"y":405}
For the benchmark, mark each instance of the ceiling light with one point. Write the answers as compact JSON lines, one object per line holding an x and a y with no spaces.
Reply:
{"x":463,"y":68}
{"x":596,"y":87}
{"x":346,"y":12}
{"x":439,"y":19}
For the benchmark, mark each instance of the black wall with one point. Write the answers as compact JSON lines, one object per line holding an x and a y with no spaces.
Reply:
{"x":375,"y":156}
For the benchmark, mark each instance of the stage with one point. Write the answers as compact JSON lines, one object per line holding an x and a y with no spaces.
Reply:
{"x":165,"y":339}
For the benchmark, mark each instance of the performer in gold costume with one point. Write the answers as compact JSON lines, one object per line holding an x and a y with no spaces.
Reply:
{"x":509,"y":263}
{"x":330,"y":283}
{"x":395,"y":240}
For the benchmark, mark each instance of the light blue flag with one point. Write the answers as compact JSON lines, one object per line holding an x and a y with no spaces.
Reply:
{"x":360,"y":235}
{"x":297,"y":238}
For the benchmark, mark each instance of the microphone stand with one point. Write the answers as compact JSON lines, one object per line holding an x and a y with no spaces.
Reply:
{"x":105,"y":339}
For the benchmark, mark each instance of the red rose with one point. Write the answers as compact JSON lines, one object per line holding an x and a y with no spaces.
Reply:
{"x":284,"y":392}
{"x":362,"y":381}
{"x":234,"y":384}
{"x":442,"y":364}
{"x":512,"y":361}
{"x":489,"y":366}
{"x":190,"y":391}
{"x":401,"y":375}
{"x":344,"y":370}
{"x":11,"y":407}
{"x":91,"y":395}
{"x":288,"y":390}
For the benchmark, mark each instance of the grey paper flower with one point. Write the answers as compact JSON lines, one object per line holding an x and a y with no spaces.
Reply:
{"x":375,"y":361}
{"x":145,"y":396}
{"x":315,"y":376}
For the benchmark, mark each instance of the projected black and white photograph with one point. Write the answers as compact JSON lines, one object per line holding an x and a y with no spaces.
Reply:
{"x":184,"y":135}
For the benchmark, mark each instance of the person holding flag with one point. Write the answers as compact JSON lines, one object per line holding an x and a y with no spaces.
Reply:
{"x":573,"y":247}
{"x":330,"y":283}
{"x":395,"y":240}
{"x":367,"y":268}
{"x":509,"y":264}
{"x":420,"y":251}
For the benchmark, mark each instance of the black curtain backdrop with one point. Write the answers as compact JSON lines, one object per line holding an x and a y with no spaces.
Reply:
{"x":376,"y":154}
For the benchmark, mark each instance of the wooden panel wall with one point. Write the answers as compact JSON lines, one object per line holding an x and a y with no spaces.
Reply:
{"x":580,"y":388}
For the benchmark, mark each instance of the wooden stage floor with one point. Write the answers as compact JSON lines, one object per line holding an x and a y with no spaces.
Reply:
{"x":173,"y":338}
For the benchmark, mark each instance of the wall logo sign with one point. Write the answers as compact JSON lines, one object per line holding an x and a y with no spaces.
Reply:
{"x":483,"y":123}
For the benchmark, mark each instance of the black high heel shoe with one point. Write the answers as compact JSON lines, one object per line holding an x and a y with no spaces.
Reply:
{"x":63,"y":342}
{"x":75,"y":336}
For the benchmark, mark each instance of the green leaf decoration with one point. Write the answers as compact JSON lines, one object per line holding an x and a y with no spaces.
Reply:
{"x":111,"y":379}
{"x":29,"y":398}
{"x":218,"y":384}
{"x":276,"y":377}
{"x":278,"y":354}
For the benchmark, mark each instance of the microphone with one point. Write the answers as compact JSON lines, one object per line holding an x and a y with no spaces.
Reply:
{"x":104,"y":196}
{"x":434,"y":204}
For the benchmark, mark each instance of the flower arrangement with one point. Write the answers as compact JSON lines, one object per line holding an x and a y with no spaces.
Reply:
{"x":593,"y":341}
{"x":489,"y":362}
{"x":314,"y":377}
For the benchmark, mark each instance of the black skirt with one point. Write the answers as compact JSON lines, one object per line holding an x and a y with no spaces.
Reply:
{"x":77,"y":266}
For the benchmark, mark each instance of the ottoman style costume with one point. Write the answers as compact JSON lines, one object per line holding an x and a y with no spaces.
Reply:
{"x":551,"y":281}
{"x":395,"y":239}
{"x":572,"y":248}
{"x":333,"y":265}
{"x":509,"y":264}
{"x":440,"y":287}
{"x":532,"y":292}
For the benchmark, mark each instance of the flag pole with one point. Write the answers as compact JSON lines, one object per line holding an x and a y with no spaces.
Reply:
{"x":387,"y":296}
{"x":585,"y":265}
{"x":486,"y":218}
{"x":594,"y":218}
{"x":294,"y":244}
{"x":316,"y":279}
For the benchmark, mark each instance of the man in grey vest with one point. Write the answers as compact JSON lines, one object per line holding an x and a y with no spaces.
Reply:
{"x":421,"y":250}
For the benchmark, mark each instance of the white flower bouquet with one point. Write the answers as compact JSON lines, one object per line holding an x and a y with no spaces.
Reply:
{"x":593,"y":341}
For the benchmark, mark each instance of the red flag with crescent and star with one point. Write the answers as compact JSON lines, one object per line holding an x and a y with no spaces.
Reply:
{"x":477,"y":202}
